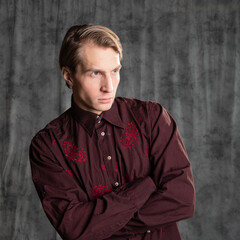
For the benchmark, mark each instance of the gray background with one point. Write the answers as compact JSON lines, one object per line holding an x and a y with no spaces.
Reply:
{"x":184,"y":54}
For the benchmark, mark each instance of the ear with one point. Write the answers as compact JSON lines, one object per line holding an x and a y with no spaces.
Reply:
{"x":67,"y":74}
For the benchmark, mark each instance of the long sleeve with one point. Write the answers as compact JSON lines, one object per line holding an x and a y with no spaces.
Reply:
{"x":67,"y":206}
{"x":171,"y":171}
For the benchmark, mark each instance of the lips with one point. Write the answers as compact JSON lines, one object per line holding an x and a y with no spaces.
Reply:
{"x":105,"y":100}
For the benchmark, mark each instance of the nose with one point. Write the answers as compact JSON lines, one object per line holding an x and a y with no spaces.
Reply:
{"x":107,"y":84}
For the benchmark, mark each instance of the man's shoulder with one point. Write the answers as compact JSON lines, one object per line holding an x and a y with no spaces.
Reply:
{"x":54,"y":127}
{"x":139,"y":111}
{"x":130,"y":101}
{"x":60,"y":120}
{"x":137,"y":104}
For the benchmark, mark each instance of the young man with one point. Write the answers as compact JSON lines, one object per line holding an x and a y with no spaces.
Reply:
{"x":109,"y":168}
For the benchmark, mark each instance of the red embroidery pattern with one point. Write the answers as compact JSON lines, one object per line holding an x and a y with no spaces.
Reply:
{"x":103,"y":167}
{"x":73,"y":153}
{"x":130,"y":135}
{"x":100,"y":190}
{"x":69,"y":172}
{"x":54,"y":141}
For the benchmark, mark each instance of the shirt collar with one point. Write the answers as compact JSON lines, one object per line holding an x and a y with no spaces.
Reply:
{"x":112,"y":116}
{"x":88,"y":119}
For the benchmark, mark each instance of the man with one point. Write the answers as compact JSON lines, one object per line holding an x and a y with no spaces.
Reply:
{"x":109,"y":168}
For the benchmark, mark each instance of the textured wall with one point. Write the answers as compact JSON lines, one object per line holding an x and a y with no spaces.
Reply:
{"x":184,"y":54}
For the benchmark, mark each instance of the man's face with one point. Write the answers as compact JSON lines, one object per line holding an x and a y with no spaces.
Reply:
{"x":95,"y":83}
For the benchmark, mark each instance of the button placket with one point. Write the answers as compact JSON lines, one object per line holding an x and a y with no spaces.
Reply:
{"x":104,"y":133}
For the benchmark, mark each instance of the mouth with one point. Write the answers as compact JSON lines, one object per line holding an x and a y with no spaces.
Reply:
{"x":105,"y":100}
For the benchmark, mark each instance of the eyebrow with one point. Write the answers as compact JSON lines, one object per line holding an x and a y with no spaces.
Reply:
{"x":99,"y":70}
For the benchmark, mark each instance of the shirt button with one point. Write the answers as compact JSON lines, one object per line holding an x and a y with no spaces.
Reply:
{"x":109,"y":157}
{"x":148,"y":231}
{"x":116,"y":184}
{"x":102,"y":133}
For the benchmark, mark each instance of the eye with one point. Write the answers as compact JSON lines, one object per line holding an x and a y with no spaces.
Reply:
{"x":115,"y":70}
{"x":95,"y":73}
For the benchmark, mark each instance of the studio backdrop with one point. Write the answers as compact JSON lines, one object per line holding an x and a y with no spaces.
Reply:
{"x":184,"y":54}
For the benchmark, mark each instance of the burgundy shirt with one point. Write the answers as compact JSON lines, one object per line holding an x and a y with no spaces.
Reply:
{"x":123,"y":175}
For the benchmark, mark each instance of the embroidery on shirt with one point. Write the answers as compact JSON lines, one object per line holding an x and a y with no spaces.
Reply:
{"x":73,"y":153}
{"x":130,"y":135}
{"x":69,"y":172}
{"x":103,"y":167}
{"x":54,"y":141}
{"x":100,"y":190}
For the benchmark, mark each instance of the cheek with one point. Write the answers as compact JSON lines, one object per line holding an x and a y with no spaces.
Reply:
{"x":116,"y":82}
{"x":92,"y":91}
{"x":89,"y":87}
{"x":84,"y":91}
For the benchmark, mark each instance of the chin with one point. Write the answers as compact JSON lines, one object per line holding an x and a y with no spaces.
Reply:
{"x":105,"y":107}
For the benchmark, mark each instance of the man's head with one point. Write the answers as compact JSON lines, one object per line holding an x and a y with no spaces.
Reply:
{"x":90,"y":62}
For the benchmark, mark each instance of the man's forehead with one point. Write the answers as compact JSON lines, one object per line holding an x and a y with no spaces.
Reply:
{"x":98,"y":57}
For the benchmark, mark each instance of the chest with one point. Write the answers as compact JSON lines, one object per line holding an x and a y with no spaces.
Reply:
{"x":109,"y":158}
